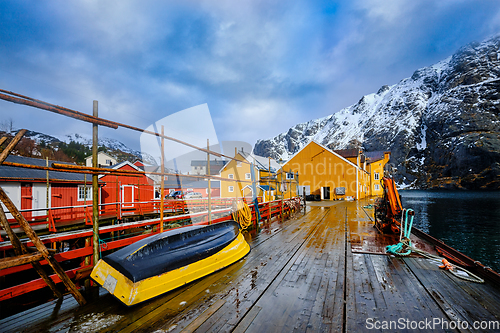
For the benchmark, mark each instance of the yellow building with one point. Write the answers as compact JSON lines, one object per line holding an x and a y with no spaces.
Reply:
{"x":240,"y":170}
{"x":376,"y":164}
{"x":331,"y":175}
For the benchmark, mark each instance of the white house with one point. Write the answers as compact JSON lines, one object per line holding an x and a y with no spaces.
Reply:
{"x":103,"y":159}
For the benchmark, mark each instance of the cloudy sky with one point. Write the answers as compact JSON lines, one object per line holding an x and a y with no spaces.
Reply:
{"x":261,"y":66}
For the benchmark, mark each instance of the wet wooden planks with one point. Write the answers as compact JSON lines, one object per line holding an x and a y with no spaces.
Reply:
{"x":459,"y":299}
{"x":301,"y":275}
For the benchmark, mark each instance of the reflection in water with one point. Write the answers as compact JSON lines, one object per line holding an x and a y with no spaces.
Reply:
{"x":469,"y":221}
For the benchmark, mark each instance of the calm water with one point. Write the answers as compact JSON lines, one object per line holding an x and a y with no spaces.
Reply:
{"x":466,"y":220}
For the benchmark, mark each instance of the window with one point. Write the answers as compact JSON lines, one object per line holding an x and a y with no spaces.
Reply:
{"x":84,"y":190}
{"x":247,"y":176}
{"x":238,"y":163}
{"x":108,"y":162}
{"x":230,"y":188}
{"x":376,"y":176}
{"x":376,"y":187}
{"x":230,"y":176}
{"x":289,"y":176}
{"x":206,"y":191}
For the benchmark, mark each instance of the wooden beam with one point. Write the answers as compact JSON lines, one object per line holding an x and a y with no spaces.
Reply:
{"x":20,"y":260}
{"x":20,"y":249}
{"x":24,"y":100}
{"x":2,"y":140}
{"x":41,"y":247}
{"x":11,"y":145}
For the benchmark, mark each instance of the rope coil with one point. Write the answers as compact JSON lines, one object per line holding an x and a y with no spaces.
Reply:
{"x":404,"y":248}
{"x":242,"y":214}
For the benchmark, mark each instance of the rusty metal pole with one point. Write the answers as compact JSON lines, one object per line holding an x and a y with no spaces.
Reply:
{"x":95,"y":189}
{"x":209,"y":186}
{"x":162,"y":188}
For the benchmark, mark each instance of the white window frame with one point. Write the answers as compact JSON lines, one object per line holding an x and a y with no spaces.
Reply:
{"x":230,"y":176}
{"x":376,"y":176}
{"x":238,"y":163}
{"x":248,"y":176}
{"x":376,"y":187}
{"x":230,"y":189}
{"x":81,"y":194}
{"x":290,"y":175}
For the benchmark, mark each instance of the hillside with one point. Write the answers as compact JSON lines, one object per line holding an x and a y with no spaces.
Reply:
{"x":442,"y":124}
{"x":71,"y":148}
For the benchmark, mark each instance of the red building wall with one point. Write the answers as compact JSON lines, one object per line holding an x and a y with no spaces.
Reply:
{"x":121,"y":188}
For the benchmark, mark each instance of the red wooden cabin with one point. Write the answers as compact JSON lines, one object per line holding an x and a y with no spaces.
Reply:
{"x":127,"y":190}
{"x":27,"y":188}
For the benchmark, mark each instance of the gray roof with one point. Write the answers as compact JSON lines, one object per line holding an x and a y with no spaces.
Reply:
{"x":261,"y":163}
{"x":20,"y":173}
{"x":189,"y":182}
{"x":219,"y":163}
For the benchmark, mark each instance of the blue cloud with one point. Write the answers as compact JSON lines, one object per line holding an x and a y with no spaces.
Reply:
{"x":290,"y":62}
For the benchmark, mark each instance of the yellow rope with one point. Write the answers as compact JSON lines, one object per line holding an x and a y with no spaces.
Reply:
{"x":243,"y":215}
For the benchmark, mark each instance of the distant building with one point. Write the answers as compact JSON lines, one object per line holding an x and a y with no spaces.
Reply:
{"x":199,"y":167}
{"x":237,"y":180}
{"x":336,"y":174}
{"x":376,"y":163}
{"x":103,"y":159}
{"x":124,"y":189}
{"x":191,"y":184}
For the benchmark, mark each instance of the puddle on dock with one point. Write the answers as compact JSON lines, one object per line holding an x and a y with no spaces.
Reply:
{"x":94,"y":322}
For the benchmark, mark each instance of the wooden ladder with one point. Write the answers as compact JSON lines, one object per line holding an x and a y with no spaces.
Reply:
{"x":23,"y":256}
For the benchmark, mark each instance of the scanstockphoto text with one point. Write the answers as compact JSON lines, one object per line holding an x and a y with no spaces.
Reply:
{"x":430,"y":324}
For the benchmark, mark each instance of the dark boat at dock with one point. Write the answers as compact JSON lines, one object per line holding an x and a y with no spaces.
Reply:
{"x":161,"y":263}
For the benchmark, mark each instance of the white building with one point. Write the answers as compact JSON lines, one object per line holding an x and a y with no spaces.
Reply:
{"x":103,"y":159}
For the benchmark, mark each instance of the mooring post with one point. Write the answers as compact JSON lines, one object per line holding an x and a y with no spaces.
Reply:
{"x":162,"y":185}
{"x":95,"y":189}
{"x":268,"y":192}
{"x":209,"y":185}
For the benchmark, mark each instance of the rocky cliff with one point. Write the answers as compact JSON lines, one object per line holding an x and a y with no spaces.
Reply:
{"x":442,"y":124}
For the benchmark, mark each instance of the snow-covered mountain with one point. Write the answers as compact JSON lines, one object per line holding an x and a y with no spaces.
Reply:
{"x":442,"y":124}
{"x":114,"y":148}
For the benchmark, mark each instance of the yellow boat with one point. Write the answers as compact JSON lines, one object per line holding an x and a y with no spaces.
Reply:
{"x":161,"y":263}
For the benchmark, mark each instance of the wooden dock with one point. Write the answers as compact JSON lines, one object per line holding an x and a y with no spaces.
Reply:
{"x":324,"y":270}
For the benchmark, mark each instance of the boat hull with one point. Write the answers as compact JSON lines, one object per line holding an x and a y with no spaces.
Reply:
{"x":131,"y":293}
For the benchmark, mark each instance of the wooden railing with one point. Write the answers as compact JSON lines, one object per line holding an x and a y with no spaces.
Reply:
{"x":77,"y":258}
{"x":53,"y":217}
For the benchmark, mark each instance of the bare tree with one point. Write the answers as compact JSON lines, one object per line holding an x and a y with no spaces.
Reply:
{"x":7,"y":125}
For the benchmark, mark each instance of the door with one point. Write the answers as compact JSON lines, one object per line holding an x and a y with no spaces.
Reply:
{"x":128,"y":196}
{"x":304,"y":189}
{"x":40,"y":199}
{"x":26,"y":199}
{"x":326,"y":193}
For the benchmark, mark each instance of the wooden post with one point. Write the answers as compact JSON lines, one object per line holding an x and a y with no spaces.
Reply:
{"x":269,"y":191}
{"x":209,"y":186}
{"x":47,"y":203}
{"x":282,"y":196}
{"x":95,"y":190}
{"x":11,"y":145}
{"x":41,"y":247}
{"x":117,"y":199}
{"x":162,"y":178}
